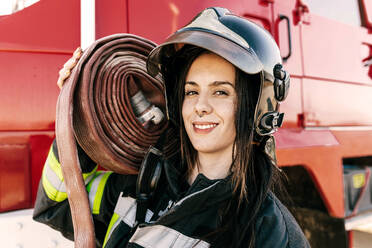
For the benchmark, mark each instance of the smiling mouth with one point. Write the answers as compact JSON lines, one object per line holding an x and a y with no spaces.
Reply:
{"x":198,"y":126}
{"x":204,"y":128}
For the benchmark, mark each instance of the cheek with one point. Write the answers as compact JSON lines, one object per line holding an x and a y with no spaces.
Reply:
{"x":230,"y":116}
{"x":230,"y":123}
{"x":227,"y":112}
{"x":225,"y":108}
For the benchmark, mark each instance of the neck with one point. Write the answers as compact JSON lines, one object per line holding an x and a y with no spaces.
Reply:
{"x":213,"y":165}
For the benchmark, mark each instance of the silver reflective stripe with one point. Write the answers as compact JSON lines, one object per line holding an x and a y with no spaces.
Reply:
{"x":54,"y":179}
{"x":197,"y":192}
{"x":149,"y":214}
{"x":126,"y":210}
{"x":124,"y":206}
{"x":87,"y":180}
{"x":161,"y":236}
{"x":170,"y":205}
{"x":93,"y":189}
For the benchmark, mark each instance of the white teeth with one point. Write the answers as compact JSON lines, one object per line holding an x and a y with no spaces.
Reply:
{"x":205,"y":126}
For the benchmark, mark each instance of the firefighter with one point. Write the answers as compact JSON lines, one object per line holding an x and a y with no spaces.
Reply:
{"x":224,"y":80}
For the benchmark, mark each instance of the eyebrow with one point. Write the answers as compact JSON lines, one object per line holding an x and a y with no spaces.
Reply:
{"x":215,"y":83}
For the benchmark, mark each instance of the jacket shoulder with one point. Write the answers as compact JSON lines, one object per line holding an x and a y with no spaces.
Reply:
{"x":276,"y":227}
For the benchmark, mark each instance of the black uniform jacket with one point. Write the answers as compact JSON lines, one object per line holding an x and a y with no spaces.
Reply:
{"x":178,"y":216}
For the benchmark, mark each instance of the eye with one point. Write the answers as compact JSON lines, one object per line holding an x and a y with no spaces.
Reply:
{"x":190,"y":92}
{"x":221,"y":93}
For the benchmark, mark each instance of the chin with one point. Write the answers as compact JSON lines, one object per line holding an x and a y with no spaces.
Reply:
{"x":201,"y":147}
{"x":205,"y":150}
{"x":208,"y":148}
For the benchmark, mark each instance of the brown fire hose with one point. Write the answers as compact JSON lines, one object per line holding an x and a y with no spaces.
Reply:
{"x":96,"y":108}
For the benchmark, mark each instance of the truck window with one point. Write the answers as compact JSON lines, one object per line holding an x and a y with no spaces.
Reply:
{"x":345,"y":11}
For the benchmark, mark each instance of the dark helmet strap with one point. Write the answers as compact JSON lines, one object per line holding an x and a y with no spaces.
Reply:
{"x":270,"y":122}
{"x":281,"y":83}
{"x":148,"y":177}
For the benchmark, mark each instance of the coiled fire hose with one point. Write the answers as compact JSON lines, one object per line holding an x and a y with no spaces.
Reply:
{"x":115,"y":111}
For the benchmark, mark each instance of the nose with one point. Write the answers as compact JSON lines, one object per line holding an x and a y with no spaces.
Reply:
{"x":202,"y":106}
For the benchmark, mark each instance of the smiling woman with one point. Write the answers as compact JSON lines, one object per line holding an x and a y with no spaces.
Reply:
{"x":208,"y":113}
{"x":224,"y":80}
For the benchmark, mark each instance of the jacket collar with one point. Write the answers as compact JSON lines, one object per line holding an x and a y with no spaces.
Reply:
{"x":204,"y":189}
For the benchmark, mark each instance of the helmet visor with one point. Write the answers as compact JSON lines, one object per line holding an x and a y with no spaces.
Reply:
{"x":245,"y":59}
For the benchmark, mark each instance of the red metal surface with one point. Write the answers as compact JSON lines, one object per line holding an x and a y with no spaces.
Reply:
{"x":39,"y":144}
{"x":158,"y":19}
{"x":332,"y":50}
{"x":287,"y":8}
{"x":336,"y":104}
{"x":367,"y":9}
{"x":298,"y":137}
{"x":38,"y":40}
{"x":47,"y":25}
{"x":111,"y":17}
{"x":28,"y":92}
{"x":14,"y":176}
{"x":292,"y":106}
{"x":350,"y":237}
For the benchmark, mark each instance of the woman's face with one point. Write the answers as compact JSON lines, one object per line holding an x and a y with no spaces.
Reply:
{"x":208,"y":109}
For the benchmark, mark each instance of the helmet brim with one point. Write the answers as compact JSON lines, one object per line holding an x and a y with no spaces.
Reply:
{"x":244,"y":59}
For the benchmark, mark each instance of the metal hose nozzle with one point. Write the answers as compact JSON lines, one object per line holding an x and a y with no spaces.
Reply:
{"x":144,"y":111}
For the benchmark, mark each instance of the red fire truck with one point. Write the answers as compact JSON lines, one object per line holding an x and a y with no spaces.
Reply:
{"x":324,"y":146}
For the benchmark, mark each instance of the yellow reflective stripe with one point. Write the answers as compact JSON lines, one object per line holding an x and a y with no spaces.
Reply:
{"x":54,"y":164}
{"x":88,"y":174}
{"x":114,"y":219}
{"x":99,"y":194}
{"x":50,"y":191}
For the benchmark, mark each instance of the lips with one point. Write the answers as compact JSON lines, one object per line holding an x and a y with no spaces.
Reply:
{"x":204,"y":128}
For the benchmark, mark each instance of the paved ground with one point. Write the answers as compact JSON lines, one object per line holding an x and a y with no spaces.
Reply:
{"x":362,"y":239}
{"x":17,"y":229}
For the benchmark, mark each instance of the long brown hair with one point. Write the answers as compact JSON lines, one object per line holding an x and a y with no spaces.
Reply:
{"x":251,"y":170}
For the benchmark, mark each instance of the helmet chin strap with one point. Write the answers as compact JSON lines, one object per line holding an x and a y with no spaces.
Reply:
{"x":148,"y":177}
{"x":268,"y":146}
